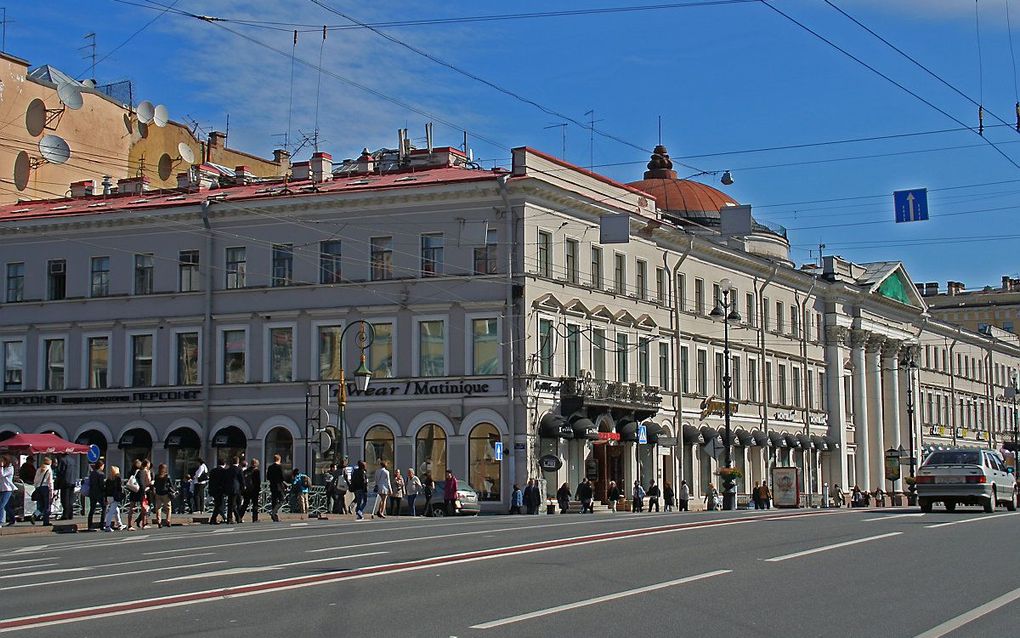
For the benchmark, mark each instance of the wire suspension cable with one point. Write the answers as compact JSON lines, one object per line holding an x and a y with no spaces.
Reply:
{"x":1012,"y":59}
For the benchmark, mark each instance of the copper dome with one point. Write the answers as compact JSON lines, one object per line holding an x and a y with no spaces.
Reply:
{"x":677,"y":195}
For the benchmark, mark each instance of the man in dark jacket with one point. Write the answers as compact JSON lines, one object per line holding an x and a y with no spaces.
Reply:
{"x":277,"y":487}
{"x":252,"y":486}
{"x":359,"y":485}
{"x":97,"y":492}
{"x":584,"y":494}
{"x":233,"y":481}
{"x":65,"y":480}
{"x":217,"y":479}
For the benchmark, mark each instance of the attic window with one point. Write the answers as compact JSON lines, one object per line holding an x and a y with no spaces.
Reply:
{"x":64,"y":207}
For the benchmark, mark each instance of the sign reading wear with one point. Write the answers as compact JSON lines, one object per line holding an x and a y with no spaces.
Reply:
{"x":497,"y":450}
{"x":642,"y":434}
{"x":93,"y":453}
{"x":911,"y":206}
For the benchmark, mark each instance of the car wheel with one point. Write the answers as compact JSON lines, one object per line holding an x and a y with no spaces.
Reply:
{"x":439,"y":512}
{"x":991,"y":503}
{"x":925,"y":505}
{"x":1011,"y":504}
{"x":950,"y":506}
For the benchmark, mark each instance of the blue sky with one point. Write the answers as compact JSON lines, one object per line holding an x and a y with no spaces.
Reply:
{"x":725,"y":77}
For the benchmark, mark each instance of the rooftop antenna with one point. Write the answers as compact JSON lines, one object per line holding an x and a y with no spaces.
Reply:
{"x":591,"y":139}
{"x":821,"y":247}
{"x":660,"y":130}
{"x":563,"y":137}
{"x":290,"y":103}
{"x":318,"y":84}
{"x":4,"y":21}
{"x":467,"y":149}
{"x":226,"y":133}
{"x":90,"y":46}
{"x":428,"y":137}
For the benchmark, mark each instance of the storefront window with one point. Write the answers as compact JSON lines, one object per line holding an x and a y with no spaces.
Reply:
{"x":378,"y":447}
{"x":184,"y":447}
{"x":233,"y":356}
{"x":380,"y":354}
{"x":431,"y":348}
{"x":281,"y":354}
{"x":483,"y":468}
{"x":280,"y":441}
{"x":187,"y":358}
{"x":485,"y":344}
{"x":99,"y":352}
{"x":430,"y":452}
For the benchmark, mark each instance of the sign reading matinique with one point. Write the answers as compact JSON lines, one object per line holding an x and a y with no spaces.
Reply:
{"x":425,"y":389}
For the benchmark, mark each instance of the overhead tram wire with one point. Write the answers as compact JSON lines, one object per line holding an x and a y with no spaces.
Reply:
{"x":887,"y":78}
{"x":1012,"y":59}
{"x":131,"y":37}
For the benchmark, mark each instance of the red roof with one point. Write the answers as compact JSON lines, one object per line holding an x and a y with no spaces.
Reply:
{"x":98,"y":204}
{"x":684,"y":195}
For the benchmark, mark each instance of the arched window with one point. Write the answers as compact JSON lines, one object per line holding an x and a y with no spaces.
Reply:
{"x":483,"y":468}
{"x":280,"y":441}
{"x":430,"y":451}
{"x":378,"y":447}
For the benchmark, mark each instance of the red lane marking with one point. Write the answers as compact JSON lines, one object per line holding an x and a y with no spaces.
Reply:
{"x":139,"y":605}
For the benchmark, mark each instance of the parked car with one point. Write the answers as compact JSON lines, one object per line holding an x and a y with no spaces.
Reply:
{"x":968,"y":477}
{"x":465,"y":505}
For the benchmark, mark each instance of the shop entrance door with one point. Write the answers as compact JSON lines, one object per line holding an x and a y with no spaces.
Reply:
{"x":610,"y":468}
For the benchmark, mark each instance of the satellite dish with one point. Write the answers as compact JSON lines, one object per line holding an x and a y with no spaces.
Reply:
{"x":89,"y":83}
{"x":165,"y":166}
{"x":145,"y":111}
{"x":160,"y":116}
{"x":186,"y":153}
{"x":325,"y":440}
{"x":54,"y":149}
{"x":35,"y":117}
{"x":70,"y":95}
{"x":22,"y":168}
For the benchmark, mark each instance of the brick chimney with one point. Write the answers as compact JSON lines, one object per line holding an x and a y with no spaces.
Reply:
{"x":133,"y":185}
{"x":243,"y":175}
{"x":217,"y":139}
{"x":366,"y":164}
{"x":954,"y":287}
{"x":281,"y":158}
{"x":321,"y":167}
{"x":300,"y":171}
{"x":83,"y":188}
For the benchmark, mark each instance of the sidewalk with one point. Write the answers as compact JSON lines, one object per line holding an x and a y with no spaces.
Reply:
{"x":77,"y":524}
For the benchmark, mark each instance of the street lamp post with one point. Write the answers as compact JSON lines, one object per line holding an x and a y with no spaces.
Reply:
{"x":911,"y":366}
{"x":726,"y":310}
{"x":1014,"y":390}
{"x":366,"y":335}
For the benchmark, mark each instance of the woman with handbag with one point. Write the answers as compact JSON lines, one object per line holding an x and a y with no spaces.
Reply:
{"x":146,"y":496}
{"x":115,"y":496}
{"x":163,"y":489}
{"x":397,"y":497}
{"x":134,"y":494}
{"x":43,"y":483}
{"x":428,"y":488}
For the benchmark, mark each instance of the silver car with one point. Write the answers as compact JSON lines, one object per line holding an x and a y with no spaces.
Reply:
{"x":968,"y":477}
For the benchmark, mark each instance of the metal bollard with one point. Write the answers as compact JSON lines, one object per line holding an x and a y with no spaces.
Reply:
{"x":825,"y":495}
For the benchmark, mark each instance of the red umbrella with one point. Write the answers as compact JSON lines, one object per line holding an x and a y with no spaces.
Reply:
{"x":42,"y":444}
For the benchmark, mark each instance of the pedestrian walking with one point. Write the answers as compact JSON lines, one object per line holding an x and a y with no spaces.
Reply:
{"x":382,"y":490}
{"x":97,"y":492}
{"x":586,"y":495}
{"x":359,"y":485}
{"x":163,"y":488}
{"x":838,"y":498}
{"x":27,"y":471}
{"x":233,"y":487}
{"x":200,"y":479}
{"x":668,"y":497}
{"x":7,"y":491}
{"x":65,"y":480}
{"x":251,"y":495}
{"x":43,"y":494}
{"x":397,"y":497}
{"x":274,"y":476}
{"x":754,"y":496}
{"x":300,"y":487}
{"x":639,"y":497}
{"x":413,"y":487}
{"x":563,"y":498}
{"x":516,"y":500}
{"x":711,"y":497}
{"x":343,"y":488}
{"x":187,"y":495}
{"x":532,"y":497}
{"x":217,"y":478}
{"x":114,"y":491}
{"x":653,"y":496}
{"x":614,"y":495}
{"x":450,"y":493}
{"x":684,"y":497}
{"x":148,"y":497}
{"x":764,"y":495}
{"x":330,"y":479}
{"x":133,"y":495}
{"x":428,"y":488}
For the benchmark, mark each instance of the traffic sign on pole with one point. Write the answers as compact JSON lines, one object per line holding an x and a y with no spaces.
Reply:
{"x":93,"y":453}
{"x":497,"y":448}
{"x":911,"y":205}
{"x":642,"y":434}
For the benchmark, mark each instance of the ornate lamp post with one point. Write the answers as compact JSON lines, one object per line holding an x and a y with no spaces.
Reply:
{"x":726,"y":310}
{"x":910,"y":366}
{"x":1011,"y":392}
{"x":366,"y":335}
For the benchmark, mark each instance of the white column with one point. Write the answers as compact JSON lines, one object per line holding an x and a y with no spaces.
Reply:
{"x":890,"y":368}
{"x":836,"y":340}
{"x":876,"y":444}
{"x":860,"y":399}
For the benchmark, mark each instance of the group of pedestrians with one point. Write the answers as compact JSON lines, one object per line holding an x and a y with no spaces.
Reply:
{"x":584,"y":493}
{"x":392,"y":490}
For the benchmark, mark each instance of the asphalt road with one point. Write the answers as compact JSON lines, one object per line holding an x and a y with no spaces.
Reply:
{"x":889,"y":573}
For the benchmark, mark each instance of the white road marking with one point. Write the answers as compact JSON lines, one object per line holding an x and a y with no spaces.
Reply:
{"x":816,"y":550}
{"x":27,"y":560}
{"x":955,"y":623}
{"x":976,"y":519}
{"x":30,"y":548}
{"x":263,"y":568}
{"x":222,"y":529}
{"x":598,"y":600}
{"x":891,"y":516}
{"x":14,"y":567}
{"x":46,"y":572}
{"x":111,"y":575}
{"x":299,"y":524}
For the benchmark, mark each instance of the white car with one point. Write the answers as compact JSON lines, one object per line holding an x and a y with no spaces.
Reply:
{"x":965,"y":476}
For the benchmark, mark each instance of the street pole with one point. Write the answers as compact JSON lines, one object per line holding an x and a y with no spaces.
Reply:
{"x":366,"y":335}
{"x":727,"y":312}
{"x":911,"y":366}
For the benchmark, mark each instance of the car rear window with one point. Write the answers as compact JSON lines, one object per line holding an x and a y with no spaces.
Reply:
{"x":954,"y":457}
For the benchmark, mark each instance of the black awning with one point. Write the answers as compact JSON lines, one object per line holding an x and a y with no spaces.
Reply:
{"x":692,"y":435}
{"x":183,"y":438}
{"x":820,"y":443}
{"x":759,"y":438}
{"x":652,"y":431}
{"x":805,"y":441}
{"x":230,"y":436}
{"x":136,"y":438}
{"x":627,"y":429}
{"x":707,"y":433}
{"x":744,"y":438}
{"x":792,"y":441}
{"x":832,"y":441}
{"x":554,"y":426}
{"x":582,"y":427}
{"x":777,"y":440}
{"x":92,"y":437}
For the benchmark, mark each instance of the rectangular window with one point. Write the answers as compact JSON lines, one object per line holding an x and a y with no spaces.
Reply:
{"x":782,"y":385}
{"x":330,"y":271}
{"x":735,"y":378}
{"x":660,"y":286}
{"x":719,"y":360}
{"x":620,"y":273}
{"x":644,"y":362}
{"x":98,"y":362}
{"x":699,"y":296}
{"x":750,"y":312}
{"x":236,"y":267}
{"x":380,"y":355}
{"x":54,"y":374}
{"x":596,"y":267}
{"x":382,"y":258}
{"x":796,"y":386}
{"x":141,"y":361}
{"x":642,"y":279}
{"x":622,"y":357}
{"x":281,"y":355}
{"x":546,"y":347}
{"x":544,"y":253}
{"x":769,"y":395}
{"x":234,"y":356}
{"x":144,"y":274}
{"x":823,"y":402}
{"x":100,"y":286}
{"x":765,"y":321}
{"x":56,"y":285}
{"x":685,"y":370}
{"x":794,"y":322}
{"x":14,"y":365}
{"x":573,"y":351}
{"x":187,"y":358}
{"x":752,"y":380}
{"x":485,"y":256}
{"x":187,"y":271}
{"x":485,"y":346}
{"x":716,"y":296}
{"x":702,"y":372}
{"x":329,"y":353}
{"x":810,"y":389}
{"x":848,"y":397}
{"x":283,"y":265}
{"x":432,"y":254}
{"x":598,"y":353}
{"x":681,"y":292}
{"x":780,"y":318}
{"x":664,"y":367}
{"x":15,"y":282}
{"x":431,"y":348}
{"x":570,"y":253}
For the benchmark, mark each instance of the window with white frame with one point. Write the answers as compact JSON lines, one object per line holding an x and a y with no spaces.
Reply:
{"x":735,"y":385}
{"x":55,"y":366}
{"x":685,"y":369}
{"x":144,"y":277}
{"x":141,"y":360}
{"x":796,"y":386}
{"x":281,"y":354}
{"x":719,"y":374}
{"x":661,"y":288}
{"x":750,"y":312}
{"x":56,"y":283}
{"x":432,"y":254}
{"x":234,"y":356}
{"x":187,"y":358}
{"x":485,"y":256}
{"x":596,"y":267}
{"x":330,"y":269}
{"x":15,"y":282}
{"x":642,"y":279}
{"x":699,"y":296}
{"x":620,"y":273}
{"x":379,"y":357}
{"x":14,"y":365}
{"x":544,"y":254}
{"x":622,"y":357}
{"x":546,"y":347}
{"x":571,"y":246}
{"x":432,"y":348}
{"x":752,"y":380}
{"x":664,"y":367}
{"x":188,"y":279}
{"x":485,"y":346}
{"x":97,"y":364}
{"x":100,"y":277}
{"x":283,"y":264}
{"x":701,"y":372}
{"x":328,"y":339}
{"x":236,"y":267}
{"x":598,"y":353}
{"x":783,"y":398}
{"x":573,"y":351}
{"x":681,"y":292}
{"x":382,"y":258}
{"x":644,"y":361}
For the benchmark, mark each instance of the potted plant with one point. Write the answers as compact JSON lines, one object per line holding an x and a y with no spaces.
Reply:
{"x":729,"y":477}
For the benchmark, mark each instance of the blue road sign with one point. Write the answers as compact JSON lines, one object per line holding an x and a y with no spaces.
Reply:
{"x":642,"y":434}
{"x":911,"y":206}
{"x":93,"y":454}
{"x":498,"y":450}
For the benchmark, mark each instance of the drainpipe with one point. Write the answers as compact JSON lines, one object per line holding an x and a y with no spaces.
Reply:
{"x":989,"y":403}
{"x":763,"y":379}
{"x":952,"y":388}
{"x":806,"y":390}
{"x":509,"y":325}
{"x":674,"y":324}
{"x":207,"y":337}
